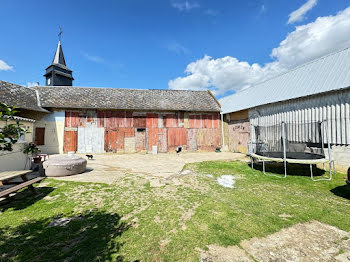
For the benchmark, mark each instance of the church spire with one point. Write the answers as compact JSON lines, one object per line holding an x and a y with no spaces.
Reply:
{"x":58,"y":74}
{"x":59,"y":57}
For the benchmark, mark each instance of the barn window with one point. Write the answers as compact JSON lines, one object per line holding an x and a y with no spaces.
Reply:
{"x":40,"y":136}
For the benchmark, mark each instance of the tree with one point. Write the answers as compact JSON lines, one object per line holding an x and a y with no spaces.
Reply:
{"x":10,"y":133}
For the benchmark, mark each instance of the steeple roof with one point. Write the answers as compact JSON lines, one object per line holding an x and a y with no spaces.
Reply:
{"x":59,"y":57}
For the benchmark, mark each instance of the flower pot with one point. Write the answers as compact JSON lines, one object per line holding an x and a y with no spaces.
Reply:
{"x":37,"y":159}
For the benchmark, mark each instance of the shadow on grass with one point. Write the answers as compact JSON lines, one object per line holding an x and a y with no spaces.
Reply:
{"x":25,"y":198}
{"x":342,"y":191}
{"x":292,"y":169}
{"x":93,"y":236}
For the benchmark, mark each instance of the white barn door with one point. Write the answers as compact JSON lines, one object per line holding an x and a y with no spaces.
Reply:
{"x":91,"y":140}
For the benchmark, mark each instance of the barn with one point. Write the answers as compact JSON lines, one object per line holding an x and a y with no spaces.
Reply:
{"x":98,"y":120}
{"x":314,"y":92}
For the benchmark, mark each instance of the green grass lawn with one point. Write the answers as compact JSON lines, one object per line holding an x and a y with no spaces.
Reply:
{"x":130,"y":220}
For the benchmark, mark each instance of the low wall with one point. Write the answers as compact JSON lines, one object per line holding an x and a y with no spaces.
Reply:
{"x":16,"y":159}
{"x":341,"y":155}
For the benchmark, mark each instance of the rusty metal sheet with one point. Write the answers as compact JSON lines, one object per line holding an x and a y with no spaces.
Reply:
{"x":176,"y":137}
{"x":192,"y":139}
{"x":70,"y":141}
{"x":157,"y":137}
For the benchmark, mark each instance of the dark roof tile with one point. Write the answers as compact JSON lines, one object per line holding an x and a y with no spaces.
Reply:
{"x":128,"y":99}
{"x":19,"y":96}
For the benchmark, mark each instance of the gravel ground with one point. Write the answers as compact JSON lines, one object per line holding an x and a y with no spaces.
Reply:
{"x":108,"y":168}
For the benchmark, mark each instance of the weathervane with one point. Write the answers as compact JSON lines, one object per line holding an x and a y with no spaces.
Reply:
{"x":59,"y":34}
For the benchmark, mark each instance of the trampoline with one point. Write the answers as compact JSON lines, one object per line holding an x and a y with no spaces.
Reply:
{"x":296,"y":143}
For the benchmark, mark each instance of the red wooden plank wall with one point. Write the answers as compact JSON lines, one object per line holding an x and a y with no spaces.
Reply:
{"x":177,"y":137}
{"x":70,"y":141}
{"x":151,"y":120}
{"x":166,"y":130}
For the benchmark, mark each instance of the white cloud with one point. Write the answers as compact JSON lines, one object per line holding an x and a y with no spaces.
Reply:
{"x":178,"y":48}
{"x":262,"y":9}
{"x":32,"y":84}
{"x":305,"y":43}
{"x":299,"y":14}
{"x":184,"y":5}
{"x":4,"y":66}
{"x":93,"y":58}
{"x":211,"y":12}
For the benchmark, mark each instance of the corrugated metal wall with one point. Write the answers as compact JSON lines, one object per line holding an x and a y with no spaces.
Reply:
{"x":333,"y":107}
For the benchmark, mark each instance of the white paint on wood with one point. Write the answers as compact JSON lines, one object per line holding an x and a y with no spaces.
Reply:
{"x":91,"y":140}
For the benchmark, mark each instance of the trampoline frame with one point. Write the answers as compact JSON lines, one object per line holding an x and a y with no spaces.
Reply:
{"x":285,"y":160}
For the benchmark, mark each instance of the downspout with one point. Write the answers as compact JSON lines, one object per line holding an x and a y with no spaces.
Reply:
{"x":222,"y":130}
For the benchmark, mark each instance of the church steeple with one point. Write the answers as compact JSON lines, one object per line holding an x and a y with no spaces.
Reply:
{"x":58,"y":74}
{"x":59,"y":57}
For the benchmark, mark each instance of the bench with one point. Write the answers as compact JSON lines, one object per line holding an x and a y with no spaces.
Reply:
{"x":6,"y":176}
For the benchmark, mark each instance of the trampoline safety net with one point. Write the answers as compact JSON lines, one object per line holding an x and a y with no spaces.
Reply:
{"x":300,"y":140}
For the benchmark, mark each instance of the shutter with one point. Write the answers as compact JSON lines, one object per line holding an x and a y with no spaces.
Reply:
{"x":39,"y":136}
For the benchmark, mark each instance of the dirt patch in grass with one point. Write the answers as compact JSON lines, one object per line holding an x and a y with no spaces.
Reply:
{"x":312,"y":241}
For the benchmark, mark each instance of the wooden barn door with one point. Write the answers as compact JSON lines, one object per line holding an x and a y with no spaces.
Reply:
{"x":91,"y":140}
{"x":157,"y":137}
{"x":192,"y":139}
{"x":114,"y":141}
{"x":70,"y":141}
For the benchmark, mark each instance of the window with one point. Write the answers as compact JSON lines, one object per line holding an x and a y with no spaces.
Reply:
{"x":39,"y":136}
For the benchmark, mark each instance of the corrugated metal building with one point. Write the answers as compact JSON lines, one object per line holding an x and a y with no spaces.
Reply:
{"x":316,"y":91}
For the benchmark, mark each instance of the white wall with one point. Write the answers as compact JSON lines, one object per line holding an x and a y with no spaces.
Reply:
{"x":54,"y":132}
{"x":16,"y":159}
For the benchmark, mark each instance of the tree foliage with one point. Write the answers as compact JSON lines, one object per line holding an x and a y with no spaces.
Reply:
{"x":10,"y":133}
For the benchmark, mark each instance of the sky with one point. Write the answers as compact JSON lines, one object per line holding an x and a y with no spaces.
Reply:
{"x":223,"y":46}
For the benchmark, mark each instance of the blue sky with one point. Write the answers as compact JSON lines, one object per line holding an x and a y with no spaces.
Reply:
{"x":146,"y":44}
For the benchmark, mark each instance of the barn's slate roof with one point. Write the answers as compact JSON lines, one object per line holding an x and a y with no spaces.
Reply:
{"x":128,"y":99}
{"x":328,"y":73}
{"x":19,"y":96}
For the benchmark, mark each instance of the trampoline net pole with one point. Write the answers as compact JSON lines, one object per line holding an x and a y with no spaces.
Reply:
{"x":329,"y":152}
{"x":300,"y":140}
{"x":284,"y":148}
